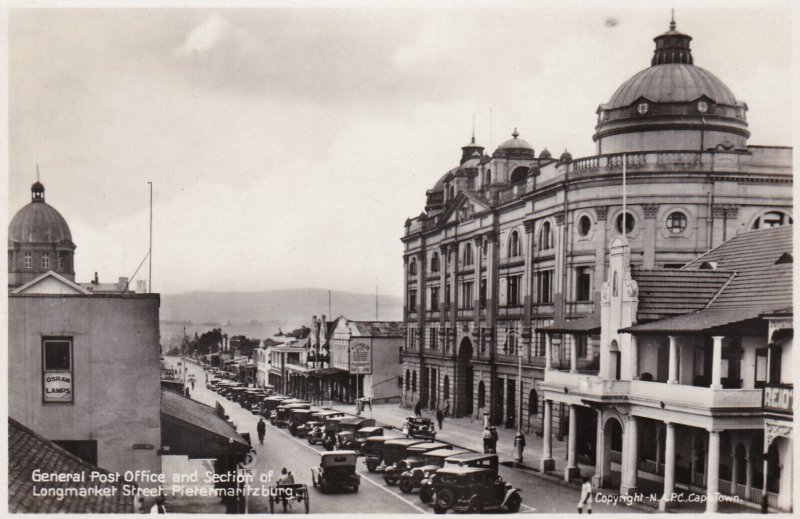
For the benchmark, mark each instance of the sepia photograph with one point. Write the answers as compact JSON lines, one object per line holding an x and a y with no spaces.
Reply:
{"x":403,"y":258}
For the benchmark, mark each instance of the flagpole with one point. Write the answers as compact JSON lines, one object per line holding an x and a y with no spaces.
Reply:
{"x":624,"y":197}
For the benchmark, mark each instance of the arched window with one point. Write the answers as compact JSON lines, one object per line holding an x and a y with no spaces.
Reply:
{"x":412,"y":267}
{"x":481,"y":395}
{"x":533,"y":403}
{"x":510,"y":347}
{"x":408,"y":382}
{"x":414,"y":382}
{"x":446,"y":388}
{"x":435,"y":262}
{"x":584,"y":225}
{"x":772,"y":219}
{"x":513,"y":245}
{"x":468,"y":254}
{"x":546,"y":237}
{"x":488,"y":177}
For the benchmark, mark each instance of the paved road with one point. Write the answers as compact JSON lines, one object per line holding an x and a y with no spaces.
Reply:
{"x":282,"y":450}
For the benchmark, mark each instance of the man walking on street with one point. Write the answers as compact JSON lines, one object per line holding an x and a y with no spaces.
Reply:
{"x":261,"y":429}
{"x":439,"y":418}
{"x":418,"y":408}
{"x":493,"y":430}
{"x":487,"y":440}
{"x":519,"y":446}
{"x":586,"y":496}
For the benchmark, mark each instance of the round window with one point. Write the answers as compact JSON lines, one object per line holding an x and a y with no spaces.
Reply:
{"x":584,"y":225}
{"x":702,"y":107}
{"x":676,"y":222}
{"x":643,"y":108}
{"x":630,"y":222}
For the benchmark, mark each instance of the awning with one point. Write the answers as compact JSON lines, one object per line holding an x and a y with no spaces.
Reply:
{"x":704,"y":320}
{"x":329,"y":372}
{"x":588,"y":324}
{"x":193,"y":429}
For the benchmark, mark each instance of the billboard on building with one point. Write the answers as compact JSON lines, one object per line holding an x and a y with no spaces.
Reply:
{"x":361,"y":356}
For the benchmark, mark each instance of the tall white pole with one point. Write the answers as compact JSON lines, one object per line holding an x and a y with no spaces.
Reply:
{"x":150,"y":253}
{"x":624,"y":197}
{"x":519,"y":411}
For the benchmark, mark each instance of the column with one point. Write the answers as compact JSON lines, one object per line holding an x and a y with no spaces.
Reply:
{"x":634,"y":362}
{"x":547,"y":463}
{"x":599,"y":254}
{"x":669,"y":467}
{"x":649,"y":235}
{"x":573,"y":353}
{"x":659,"y":435}
{"x":572,"y":470}
{"x":716,"y":364}
{"x":712,"y":484}
{"x":548,"y":351}
{"x":602,"y":455}
{"x":748,"y":475}
{"x":443,"y":339}
{"x":630,"y":457}
{"x":527,"y":334}
{"x":673,"y":360}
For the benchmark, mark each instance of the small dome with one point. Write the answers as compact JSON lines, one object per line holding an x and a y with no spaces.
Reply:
{"x":566,"y":156}
{"x":515,"y":143}
{"x":672,"y":83}
{"x":38,"y":222}
{"x":545,"y":154}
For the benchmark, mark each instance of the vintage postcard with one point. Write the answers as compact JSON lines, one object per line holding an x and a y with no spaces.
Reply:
{"x":520,"y":258}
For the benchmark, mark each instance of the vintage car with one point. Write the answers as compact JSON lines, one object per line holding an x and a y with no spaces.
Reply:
{"x":464,"y":459}
{"x":346,"y":435}
{"x":373,"y":451}
{"x":312,"y":431}
{"x":417,"y":471}
{"x":421,"y":428}
{"x":362,"y":434}
{"x":473,"y":489}
{"x":412,"y":458}
{"x":271,"y":403}
{"x":298,"y":417}
{"x":337,"y":470}
{"x":280,"y":416}
{"x":395,"y":450}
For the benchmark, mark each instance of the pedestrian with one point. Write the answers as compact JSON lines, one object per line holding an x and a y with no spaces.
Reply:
{"x":447,"y":408}
{"x":519,"y":446}
{"x":158,"y":507}
{"x":439,"y":418}
{"x":369,"y":402}
{"x":487,"y":440}
{"x":405,"y":428}
{"x":192,"y":381}
{"x":586,"y":496}
{"x":418,"y":408}
{"x":261,"y":429}
{"x":493,"y":430}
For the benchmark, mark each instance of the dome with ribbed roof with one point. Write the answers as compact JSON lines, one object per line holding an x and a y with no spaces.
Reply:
{"x":38,"y":222}
{"x":672,"y":83}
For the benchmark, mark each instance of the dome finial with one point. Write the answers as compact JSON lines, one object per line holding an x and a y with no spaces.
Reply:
{"x":37,"y":189}
{"x":672,"y":24}
{"x":473,"y":128}
{"x":515,"y":133}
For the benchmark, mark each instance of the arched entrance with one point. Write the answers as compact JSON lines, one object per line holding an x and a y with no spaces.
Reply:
{"x":481,"y":395}
{"x":464,"y":378}
{"x":533,"y":406}
{"x":610,"y":450}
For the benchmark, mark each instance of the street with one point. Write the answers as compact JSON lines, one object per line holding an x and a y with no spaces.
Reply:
{"x":280,"y":450}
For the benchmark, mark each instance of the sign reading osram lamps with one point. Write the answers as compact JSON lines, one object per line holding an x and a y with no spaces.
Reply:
{"x":360,"y":357}
{"x":58,"y":386}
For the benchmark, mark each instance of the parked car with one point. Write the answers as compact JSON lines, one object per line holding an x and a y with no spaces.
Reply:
{"x":311,"y":431}
{"x":280,"y":416}
{"x":337,"y":470}
{"x":346,"y":435}
{"x":373,"y":451}
{"x":465,"y":459}
{"x":394,"y":451}
{"x":421,"y":428}
{"x":298,"y":417}
{"x":473,"y":489}
{"x":431,"y":461}
{"x":412,"y":458}
{"x":270,"y":403}
{"x":362,"y":434}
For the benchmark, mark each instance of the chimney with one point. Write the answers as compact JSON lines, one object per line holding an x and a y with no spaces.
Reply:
{"x":96,"y":279}
{"x":141,"y":286}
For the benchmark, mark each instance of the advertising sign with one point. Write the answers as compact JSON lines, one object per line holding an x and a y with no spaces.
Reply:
{"x":361,"y":357}
{"x":58,"y":386}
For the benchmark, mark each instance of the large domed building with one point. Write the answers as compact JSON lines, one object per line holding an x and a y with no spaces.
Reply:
{"x":514,"y":243}
{"x":39,"y":241}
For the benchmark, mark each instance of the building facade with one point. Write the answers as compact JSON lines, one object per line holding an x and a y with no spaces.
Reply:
{"x":83,"y":365}
{"x":516,"y":241}
{"x":693,"y":389}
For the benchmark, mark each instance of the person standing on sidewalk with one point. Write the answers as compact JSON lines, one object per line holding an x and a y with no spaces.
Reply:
{"x":487,"y":440}
{"x":440,"y":418}
{"x":418,"y":408}
{"x":519,"y":446}
{"x":586,"y":496}
{"x":493,"y":430}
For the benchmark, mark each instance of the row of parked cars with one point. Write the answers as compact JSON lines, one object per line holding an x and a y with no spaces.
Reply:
{"x":445,"y":477}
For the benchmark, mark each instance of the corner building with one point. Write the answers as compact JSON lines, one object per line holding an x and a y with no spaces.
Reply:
{"x":515,"y":241}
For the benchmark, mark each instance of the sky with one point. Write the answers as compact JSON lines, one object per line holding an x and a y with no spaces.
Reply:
{"x":287,"y":147}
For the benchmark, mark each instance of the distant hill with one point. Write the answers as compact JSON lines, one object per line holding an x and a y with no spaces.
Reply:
{"x":266,"y":312}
